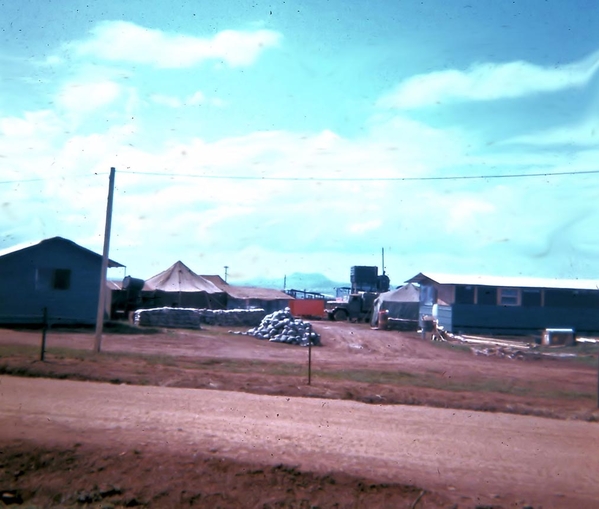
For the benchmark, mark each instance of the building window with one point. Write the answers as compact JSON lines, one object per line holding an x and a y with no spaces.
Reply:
{"x":532,"y":297}
{"x":509,"y":297}
{"x":464,"y":294}
{"x":487,"y":295}
{"x":53,"y":279}
{"x":62,"y":279}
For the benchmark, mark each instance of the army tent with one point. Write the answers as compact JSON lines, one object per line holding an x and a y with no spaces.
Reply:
{"x":179,"y":286}
{"x":246,"y":297}
{"x":401,"y":304}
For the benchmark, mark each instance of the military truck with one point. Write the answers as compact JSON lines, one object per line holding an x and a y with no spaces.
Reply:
{"x":358,"y":308}
{"x":366,"y":285}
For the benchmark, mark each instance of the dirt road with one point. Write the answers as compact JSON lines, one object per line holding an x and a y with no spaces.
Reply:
{"x":511,"y":458}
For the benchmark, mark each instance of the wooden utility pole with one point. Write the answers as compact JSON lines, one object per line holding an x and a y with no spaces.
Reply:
{"x":102,"y":297}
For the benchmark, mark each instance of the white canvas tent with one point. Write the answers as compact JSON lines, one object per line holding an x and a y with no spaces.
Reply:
{"x":179,"y":286}
{"x":401,"y":304}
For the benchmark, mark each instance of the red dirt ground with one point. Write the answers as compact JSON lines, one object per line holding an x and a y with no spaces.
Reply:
{"x":355,"y":362}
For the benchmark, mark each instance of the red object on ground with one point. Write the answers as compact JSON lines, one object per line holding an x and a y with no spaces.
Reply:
{"x":307,"y":307}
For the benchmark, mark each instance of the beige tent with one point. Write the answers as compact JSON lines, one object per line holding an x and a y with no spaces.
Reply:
{"x":401,"y":304}
{"x":179,"y":286}
{"x":251,"y":296}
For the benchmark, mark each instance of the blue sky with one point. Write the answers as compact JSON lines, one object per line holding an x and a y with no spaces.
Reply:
{"x":276,"y":137}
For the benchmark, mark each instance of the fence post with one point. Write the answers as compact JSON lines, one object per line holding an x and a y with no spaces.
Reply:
{"x":310,"y":357}
{"x":44,"y":330}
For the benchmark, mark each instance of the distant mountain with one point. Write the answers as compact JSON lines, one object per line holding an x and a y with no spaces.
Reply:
{"x":297,"y":281}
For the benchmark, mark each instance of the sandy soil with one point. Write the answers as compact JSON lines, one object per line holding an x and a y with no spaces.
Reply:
{"x":343,"y":454}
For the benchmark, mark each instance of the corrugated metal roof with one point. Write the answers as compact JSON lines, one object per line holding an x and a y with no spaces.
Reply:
{"x":27,"y":245}
{"x":180,"y":278}
{"x":507,"y":281}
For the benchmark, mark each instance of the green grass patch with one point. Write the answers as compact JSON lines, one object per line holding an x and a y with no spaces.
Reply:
{"x":369,"y":376}
{"x":15,"y":350}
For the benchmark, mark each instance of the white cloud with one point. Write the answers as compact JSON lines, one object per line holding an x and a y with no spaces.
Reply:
{"x":166,"y":100}
{"x":582,"y":134}
{"x":196,"y":98}
{"x":490,"y":81}
{"x":463,"y":213}
{"x":122,"y":41}
{"x":82,"y":97}
{"x":218,"y":102}
{"x":297,"y":224}
{"x":54,"y":60}
{"x":365,"y":226}
{"x":42,"y":122}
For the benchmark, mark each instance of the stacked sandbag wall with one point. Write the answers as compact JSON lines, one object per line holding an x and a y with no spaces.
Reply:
{"x":191,"y":318}
{"x":232,"y":317}
{"x":171,"y":318}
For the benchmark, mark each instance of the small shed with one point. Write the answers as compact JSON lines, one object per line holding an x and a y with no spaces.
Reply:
{"x":56,"y":274}
{"x":402,"y":306}
{"x":179,"y":286}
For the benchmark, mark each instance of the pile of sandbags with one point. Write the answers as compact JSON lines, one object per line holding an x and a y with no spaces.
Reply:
{"x":232,"y":317}
{"x":281,"y":327}
{"x":172,"y":318}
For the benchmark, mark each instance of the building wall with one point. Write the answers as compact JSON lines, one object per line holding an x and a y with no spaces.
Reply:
{"x":28,"y":280}
{"x":479,"y":310}
{"x":444,"y":315}
{"x":519,"y":319}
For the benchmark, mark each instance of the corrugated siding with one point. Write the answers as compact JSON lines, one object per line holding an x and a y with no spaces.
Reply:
{"x":21,"y":301}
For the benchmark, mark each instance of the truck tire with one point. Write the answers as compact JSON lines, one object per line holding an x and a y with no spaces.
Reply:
{"x":340,"y":315}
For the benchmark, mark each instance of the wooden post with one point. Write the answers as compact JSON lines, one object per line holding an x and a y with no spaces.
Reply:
{"x":102,"y":296}
{"x":44,"y":330}
{"x":310,"y":357}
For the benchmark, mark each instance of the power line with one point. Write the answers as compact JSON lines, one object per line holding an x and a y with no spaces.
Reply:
{"x":322,"y":179}
{"x":22,"y":180}
{"x":46,"y":179}
{"x":362,"y":179}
